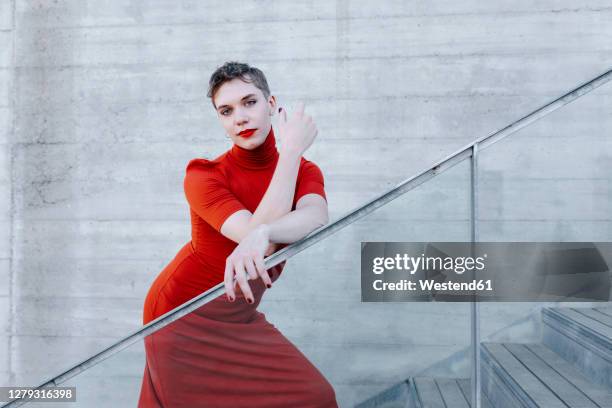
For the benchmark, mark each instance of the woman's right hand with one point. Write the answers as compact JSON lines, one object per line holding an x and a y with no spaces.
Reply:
{"x":246,"y":263}
{"x":298,"y":132}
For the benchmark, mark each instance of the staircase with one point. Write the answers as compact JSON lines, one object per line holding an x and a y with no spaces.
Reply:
{"x":571,"y":368}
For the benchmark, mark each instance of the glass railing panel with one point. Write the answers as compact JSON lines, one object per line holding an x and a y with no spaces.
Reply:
{"x":366,"y":347}
{"x":115,"y":382}
{"x":550,"y":182}
{"x":358,"y":348}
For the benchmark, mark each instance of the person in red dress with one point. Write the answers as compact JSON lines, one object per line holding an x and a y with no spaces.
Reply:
{"x":247,"y":203}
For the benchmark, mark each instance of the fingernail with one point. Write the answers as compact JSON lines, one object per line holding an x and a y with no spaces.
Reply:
{"x":249,"y":300}
{"x":279,"y":110}
{"x":268,"y":285}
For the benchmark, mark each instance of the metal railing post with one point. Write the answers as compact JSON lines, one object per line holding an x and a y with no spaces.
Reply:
{"x":475,"y":317}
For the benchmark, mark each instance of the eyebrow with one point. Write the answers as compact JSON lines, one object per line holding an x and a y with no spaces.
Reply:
{"x":243,"y":98}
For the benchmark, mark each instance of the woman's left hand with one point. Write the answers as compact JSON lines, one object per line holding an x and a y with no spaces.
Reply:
{"x":246,"y":262}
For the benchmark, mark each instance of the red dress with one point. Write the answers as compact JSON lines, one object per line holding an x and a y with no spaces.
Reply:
{"x":225,"y":354}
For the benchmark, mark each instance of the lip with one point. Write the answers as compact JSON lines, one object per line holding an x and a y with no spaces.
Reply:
{"x":247,"y":132}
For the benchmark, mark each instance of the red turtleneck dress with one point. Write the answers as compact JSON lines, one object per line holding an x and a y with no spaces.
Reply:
{"x":225,"y":354}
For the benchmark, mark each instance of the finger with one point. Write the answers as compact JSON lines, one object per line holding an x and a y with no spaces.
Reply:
{"x":299,"y":110}
{"x":236,"y":287}
{"x":312,"y":127}
{"x":250,"y":267}
{"x":243,"y":283}
{"x":228,"y":279}
{"x":261,"y":269}
{"x":269,"y":251}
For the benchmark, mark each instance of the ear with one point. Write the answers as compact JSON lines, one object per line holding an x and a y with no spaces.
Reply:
{"x":272,"y":104}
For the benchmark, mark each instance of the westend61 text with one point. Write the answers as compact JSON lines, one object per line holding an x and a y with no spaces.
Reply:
{"x":428,"y":285}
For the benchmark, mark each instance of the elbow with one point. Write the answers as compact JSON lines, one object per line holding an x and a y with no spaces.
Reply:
{"x":324,"y":220}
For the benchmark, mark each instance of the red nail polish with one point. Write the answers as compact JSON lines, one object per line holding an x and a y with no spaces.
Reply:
{"x":250,"y":300}
{"x":268,"y":285}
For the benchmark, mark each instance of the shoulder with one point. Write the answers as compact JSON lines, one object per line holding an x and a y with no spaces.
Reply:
{"x":200,"y":170}
{"x":204,"y":164}
{"x":309,"y":168}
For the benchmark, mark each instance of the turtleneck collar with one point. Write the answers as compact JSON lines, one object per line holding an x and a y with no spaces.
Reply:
{"x":260,"y":157}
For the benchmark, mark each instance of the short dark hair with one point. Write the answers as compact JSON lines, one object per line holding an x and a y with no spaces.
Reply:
{"x":231,"y":70}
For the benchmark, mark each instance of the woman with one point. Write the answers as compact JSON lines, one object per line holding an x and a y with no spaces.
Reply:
{"x":244,"y":205}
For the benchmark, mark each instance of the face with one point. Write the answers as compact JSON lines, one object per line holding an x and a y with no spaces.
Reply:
{"x":241,"y":106}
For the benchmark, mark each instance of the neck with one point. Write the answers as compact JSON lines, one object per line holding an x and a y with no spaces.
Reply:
{"x":262,"y":156}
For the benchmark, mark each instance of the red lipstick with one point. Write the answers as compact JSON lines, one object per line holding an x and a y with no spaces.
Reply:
{"x":247,"y":132}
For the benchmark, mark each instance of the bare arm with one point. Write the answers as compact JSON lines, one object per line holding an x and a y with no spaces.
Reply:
{"x":275,"y":203}
{"x":247,"y":258}
{"x":310,"y":214}
{"x":297,"y":135}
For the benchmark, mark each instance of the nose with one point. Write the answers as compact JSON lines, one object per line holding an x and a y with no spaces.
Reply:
{"x":240,"y":118}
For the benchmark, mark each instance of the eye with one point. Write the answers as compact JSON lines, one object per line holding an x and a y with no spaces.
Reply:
{"x":252,"y":100}
{"x":224,"y":111}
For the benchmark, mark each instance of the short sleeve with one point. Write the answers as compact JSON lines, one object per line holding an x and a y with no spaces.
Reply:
{"x":310,"y":181}
{"x":207,"y":193}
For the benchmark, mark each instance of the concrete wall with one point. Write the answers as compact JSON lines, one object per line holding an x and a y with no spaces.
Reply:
{"x":108,"y":105}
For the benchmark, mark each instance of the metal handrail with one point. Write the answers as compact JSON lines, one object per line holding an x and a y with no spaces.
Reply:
{"x":329,"y":229}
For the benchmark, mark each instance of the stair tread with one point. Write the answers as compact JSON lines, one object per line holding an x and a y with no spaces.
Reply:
{"x":465,"y":385}
{"x":524,"y":379}
{"x":596,"y":315}
{"x":428,"y":393}
{"x":565,"y":390}
{"x":584,"y":322}
{"x":445,"y":393}
{"x":546,"y":378}
{"x":605,"y":310}
{"x":596,"y":393}
{"x":398,"y":396}
{"x":451,"y":393}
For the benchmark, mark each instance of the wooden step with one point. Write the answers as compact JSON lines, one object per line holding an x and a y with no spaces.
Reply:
{"x":426,"y":392}
{"x":430,"y":392}
{"x":464,"y":383}
{"x":582,"y":336}
{"x":397,"y":396}
{"x":531,"y":375}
